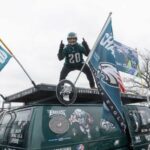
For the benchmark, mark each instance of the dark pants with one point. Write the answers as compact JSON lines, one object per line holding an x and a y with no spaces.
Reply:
{"x":66,"y":69}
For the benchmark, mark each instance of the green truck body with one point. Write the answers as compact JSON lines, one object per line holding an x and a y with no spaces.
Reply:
{"x":48,"y":125}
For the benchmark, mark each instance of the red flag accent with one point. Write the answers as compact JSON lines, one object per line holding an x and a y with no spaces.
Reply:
{"x":121,"y":85}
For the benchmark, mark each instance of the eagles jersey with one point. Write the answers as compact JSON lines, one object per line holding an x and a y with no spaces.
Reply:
{"x":73,"y":54}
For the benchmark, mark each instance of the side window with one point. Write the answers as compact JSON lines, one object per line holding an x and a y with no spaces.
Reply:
{"x":19,"y":128}
{"x":138,"y":121}
{"x":4,"y":124}
{"x":1,"y":116}
{"x":139,"y":118}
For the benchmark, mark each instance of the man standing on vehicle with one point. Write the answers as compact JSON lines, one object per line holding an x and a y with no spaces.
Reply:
{"x":73,"y":54}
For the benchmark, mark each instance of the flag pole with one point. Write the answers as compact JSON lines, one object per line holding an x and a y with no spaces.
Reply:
{"x":2,"y":96}
{"x":89,"y":56}
{"x":18,"y":63}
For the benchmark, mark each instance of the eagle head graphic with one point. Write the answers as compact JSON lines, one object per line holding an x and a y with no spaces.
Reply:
{"x":108,"y":73}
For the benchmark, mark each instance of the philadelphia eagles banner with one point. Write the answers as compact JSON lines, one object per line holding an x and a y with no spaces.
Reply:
{"x":102,"y":63}
{"x":4,"y":57}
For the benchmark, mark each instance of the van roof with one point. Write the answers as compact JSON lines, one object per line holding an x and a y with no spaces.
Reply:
{"x":48,"y":92}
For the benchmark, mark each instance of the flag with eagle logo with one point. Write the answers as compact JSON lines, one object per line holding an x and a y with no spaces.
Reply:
{"x":102,"y":63}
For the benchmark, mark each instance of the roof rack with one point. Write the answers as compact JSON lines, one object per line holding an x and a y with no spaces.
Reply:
{"x":48,"y":92}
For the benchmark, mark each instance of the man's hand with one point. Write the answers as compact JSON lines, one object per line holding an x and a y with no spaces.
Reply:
{"x":60,"y":53}
{"x":61,"y":45}
{"x":84,"y":43}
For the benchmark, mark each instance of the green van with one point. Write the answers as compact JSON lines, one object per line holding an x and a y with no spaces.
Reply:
{"x":45,"y":124}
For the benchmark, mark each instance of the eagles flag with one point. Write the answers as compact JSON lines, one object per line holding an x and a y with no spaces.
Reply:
{"x":102,"y":63}
{"x":4,"y":57}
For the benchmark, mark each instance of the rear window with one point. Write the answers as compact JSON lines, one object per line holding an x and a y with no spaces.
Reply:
{"x":19,"y":128}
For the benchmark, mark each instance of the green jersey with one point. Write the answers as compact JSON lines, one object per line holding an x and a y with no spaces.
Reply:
{"x":74,"y":54}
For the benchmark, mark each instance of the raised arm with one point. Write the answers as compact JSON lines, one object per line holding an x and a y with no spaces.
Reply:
{"x":85,"y":45}
{"x":60,"y":53}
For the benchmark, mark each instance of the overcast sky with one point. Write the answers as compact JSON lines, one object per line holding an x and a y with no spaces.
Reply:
{"x":33,"y":29}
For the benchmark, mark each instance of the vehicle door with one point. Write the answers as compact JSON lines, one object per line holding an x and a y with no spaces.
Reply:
{"x":138,"y":121}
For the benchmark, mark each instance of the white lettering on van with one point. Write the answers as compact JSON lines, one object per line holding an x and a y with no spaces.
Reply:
{"x":56,"y":112}
{"x":14,"y":140}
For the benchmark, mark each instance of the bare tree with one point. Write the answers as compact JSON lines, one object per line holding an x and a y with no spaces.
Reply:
{"x":141,"y":85}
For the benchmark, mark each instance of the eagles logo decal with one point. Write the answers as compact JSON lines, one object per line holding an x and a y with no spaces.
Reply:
{"x":108,"y":73}
{"x":66,"y":92}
